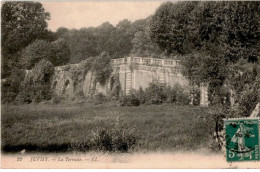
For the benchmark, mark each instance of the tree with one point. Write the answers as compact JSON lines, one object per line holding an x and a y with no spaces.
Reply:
{"x":209,"y":37}
{"x":57,"y":52}
{"x":82,"y":43}
{"x":21,"y":24}
{"x":10,"y":86}
{"x":143,"y":45}
{"x":101,"y":67}
{"x":104,"y":34}
{"x":34,"y":52}
{"x":172,"y":27}
{"x":60,"y":52}
{"x":122,"y":38}
{"x":37,"y":83}
{"x":61,"y":31}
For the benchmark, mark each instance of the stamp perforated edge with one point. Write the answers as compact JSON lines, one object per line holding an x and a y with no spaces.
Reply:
{"x":241,"y":118}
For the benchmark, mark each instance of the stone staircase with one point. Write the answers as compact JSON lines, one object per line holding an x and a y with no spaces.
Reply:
{"x":128,"y":86}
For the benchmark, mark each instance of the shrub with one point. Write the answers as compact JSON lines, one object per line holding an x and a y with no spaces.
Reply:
{"x":99,"y":98}
{"x":181,"y":97}
{"x":116,"y":139}
{"x":158,"y":94}
{"x":129,"y":100}
{"x":140,"y":94}
{"x":57,"y":52}
{"x":171,"y":95}
{"x":196,"y":96}
{"x":115,"y":87}
{"x":10,"y":86}
{"x":80,"y":146}
{"x":55,"y":99}
{"x":155,"y":94}
{"x":33,"y":53}
{"x":247,"y":101}
{"x":244,"y":80}
{"x":36,"y":86}
{"x":102,"y":67}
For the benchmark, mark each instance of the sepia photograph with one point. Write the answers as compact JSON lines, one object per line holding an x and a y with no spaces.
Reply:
{"x":130,"y":84}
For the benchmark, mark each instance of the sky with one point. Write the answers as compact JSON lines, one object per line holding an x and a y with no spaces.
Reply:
{"x":85,"y":14}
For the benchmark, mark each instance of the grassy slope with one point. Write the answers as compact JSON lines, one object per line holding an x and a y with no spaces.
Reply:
{"x":54,"y":127}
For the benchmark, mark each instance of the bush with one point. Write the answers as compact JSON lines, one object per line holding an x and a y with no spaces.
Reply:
{"x":171,"y":95}
{"x":155,"y":94}
{"x":247,"y":101}
{"x":99,"y":98}
{"x":129,"y":100}
{"x":102,"y":67}
{"x":36,"y":86}
{"x":196,"y":97}
{"x":140,"y":94}
{"x":115,"y":87}
{"x":158,"y":94}
{"x":10,"y":86}
{"x":182,"y":98}
{"x":55,"y":99}
{"x":115,"y":139}
{"x":57,"y":52}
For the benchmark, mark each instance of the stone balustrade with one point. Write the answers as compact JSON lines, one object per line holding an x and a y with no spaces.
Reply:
{"x":146,"y":61}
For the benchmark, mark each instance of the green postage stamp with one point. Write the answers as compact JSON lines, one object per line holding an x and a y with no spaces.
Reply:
{"x":242,"y":139}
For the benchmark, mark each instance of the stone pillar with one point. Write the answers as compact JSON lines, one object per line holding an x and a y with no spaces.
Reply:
{"x":204,"y":94}
{"x":128,"y":88}
{"x":232,"y":99}
{"x":133,"y":78}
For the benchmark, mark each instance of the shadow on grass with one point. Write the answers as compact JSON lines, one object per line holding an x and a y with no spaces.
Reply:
{"x":65,"y":147}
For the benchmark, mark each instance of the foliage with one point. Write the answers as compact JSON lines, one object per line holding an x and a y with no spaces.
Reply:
{"x":60,"y":52}
{"x":115,"y":87}
{"x":36,"y":85}
{"x":55,"y":99}
{"x":92,"y":41}
{"x":158,"y":94}
{"x":155,"y":94}
{"x":248,"y":100}
{"x":172,"y":27}
{"x":21,"y":24}
{"x":143,"y":45}
{"x":10,"y":86}
{"x":99,"y":98}
{"x":36,"y":51}
{"x":129,"y":100}
{"x":210,"y":36}
{"x":56,"y":52}
{"x":102,"y":67}
{"x":140,"y":94}
{"x":195,"y":91}
{"x":114,"y":139}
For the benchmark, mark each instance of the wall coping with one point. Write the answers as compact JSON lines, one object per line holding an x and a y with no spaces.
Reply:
{"x":146,"y":61}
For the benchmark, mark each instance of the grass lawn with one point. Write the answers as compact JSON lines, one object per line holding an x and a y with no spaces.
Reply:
{"x":50,"y":128}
